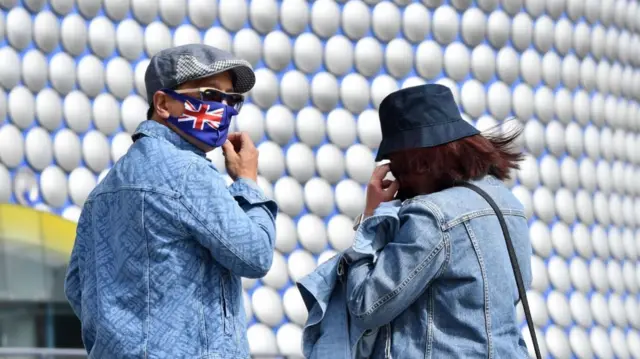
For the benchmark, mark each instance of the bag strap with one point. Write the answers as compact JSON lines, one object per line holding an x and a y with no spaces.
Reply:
{"x":514,"y":261}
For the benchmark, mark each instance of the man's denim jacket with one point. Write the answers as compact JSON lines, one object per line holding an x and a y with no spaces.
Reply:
{"x":442,"y":286}
{"x":160,"y":248}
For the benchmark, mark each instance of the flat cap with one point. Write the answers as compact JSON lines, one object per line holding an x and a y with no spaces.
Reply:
{"x":174,"y":66}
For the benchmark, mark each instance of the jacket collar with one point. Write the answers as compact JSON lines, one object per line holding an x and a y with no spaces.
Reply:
{"x":154,"y":129}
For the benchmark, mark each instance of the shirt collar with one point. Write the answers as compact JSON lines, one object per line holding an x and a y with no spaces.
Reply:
{"x":156,"y":130}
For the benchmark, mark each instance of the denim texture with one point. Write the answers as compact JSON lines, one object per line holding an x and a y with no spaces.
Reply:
{"x":161,"y":245}
{"x":442,"y":286}
{"x":328,"y":331}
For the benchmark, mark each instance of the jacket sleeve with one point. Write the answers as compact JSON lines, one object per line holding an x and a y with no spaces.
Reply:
{"x":236,"y":224}
{"x":377,"y":292}
{"x":73,"y":282}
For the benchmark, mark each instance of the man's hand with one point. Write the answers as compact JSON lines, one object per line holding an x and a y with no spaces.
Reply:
{"x":379,"y":189}
{"x":240,"y":156}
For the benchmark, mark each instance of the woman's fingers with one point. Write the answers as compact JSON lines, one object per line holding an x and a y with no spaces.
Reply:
{"x":379,"y":173}
{"x":394,"y":186}
{"x":391,"y":190}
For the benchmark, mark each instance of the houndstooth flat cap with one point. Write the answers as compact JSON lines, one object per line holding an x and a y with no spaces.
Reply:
{"x":176,"y":65}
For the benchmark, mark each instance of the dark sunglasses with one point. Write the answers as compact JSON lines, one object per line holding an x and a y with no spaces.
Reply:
{"x":234,"y":100}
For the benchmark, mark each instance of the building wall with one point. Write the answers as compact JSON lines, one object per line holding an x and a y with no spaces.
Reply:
{"x":72,"y":92}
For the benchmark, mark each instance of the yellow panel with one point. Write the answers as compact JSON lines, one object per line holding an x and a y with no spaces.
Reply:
{"x":20,"y":224}
{"x":26,"y":226}
{"x":58,"y":234}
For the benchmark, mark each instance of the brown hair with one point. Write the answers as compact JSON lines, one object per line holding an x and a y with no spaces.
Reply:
{"x":437,"y":168}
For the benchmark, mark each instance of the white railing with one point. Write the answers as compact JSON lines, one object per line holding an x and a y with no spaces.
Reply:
{"x":41,"y":353}
{"x":44,"y":353}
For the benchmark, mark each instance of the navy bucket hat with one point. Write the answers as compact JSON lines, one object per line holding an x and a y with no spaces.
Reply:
{"x":419,"y":117}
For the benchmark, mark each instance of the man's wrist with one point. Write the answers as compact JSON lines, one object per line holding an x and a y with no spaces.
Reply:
{"x":248,"y":176}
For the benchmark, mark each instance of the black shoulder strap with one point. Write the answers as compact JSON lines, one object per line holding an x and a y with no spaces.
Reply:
{"x":514,"y":261}
{"x":137,"y":136}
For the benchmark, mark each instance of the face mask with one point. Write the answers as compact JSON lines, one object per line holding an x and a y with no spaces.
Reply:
{"x":206,"y":121}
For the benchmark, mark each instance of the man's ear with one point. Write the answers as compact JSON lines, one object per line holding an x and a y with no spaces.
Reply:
{"x":161,"y":104}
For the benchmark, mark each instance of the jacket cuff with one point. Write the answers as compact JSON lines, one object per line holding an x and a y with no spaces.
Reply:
{"x":247,"y":191}
{"x":374,"y":232}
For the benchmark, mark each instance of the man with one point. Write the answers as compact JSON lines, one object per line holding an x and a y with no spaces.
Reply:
{"x":162,"y":242}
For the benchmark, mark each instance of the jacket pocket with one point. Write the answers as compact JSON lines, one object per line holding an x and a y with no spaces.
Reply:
{"x":224,"y":304}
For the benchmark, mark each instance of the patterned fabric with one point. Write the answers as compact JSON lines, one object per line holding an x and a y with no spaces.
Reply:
{"x":176,"y":65}
{"x":161,"y":245}
{"x":190,"y":68}
{"x":328,"y":331}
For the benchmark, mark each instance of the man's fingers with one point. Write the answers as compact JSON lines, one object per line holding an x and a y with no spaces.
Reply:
{"x":227,"y":149}
{"x":236,"y":140}
{"x":246,"y":141}
{"x":386,"y":183}
{"x":233,"y":136}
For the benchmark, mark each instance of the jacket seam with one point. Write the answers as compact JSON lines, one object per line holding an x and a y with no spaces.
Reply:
{"x":433,"y":208}
{"x":483,"y":213}
{"x":430,"y":328}
{"x":147,"y":279}
{"x":404,"y":283}
{"x":487,"y":301}
{"x":161,"y":191}
{"x":217,"y":237}
{"x":179,"y":225}
{"x":443,"y":244}
{"x":144,"y":190}
{"x":431,"y":298}
{"x":446,"y":225}
{"x":205,"y":335}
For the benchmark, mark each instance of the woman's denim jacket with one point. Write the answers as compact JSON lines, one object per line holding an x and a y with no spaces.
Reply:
{"x":443,"y":285}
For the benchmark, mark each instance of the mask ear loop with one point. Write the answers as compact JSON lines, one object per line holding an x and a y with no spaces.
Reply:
{"x":176,"y":96}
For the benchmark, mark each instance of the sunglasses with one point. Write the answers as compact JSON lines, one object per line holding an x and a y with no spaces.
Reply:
{"x":234,"y":100}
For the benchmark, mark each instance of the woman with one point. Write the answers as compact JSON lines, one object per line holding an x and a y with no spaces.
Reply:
{"x":442,"y":286}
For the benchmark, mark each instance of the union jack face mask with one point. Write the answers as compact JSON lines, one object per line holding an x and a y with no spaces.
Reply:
{"x":205,"y":121}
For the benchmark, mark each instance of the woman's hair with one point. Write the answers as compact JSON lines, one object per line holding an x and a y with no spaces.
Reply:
{"x":493,"y":153}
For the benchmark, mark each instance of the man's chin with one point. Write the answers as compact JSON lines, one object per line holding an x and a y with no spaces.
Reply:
{"x":192,"y":140}
{"x":200,"y":145}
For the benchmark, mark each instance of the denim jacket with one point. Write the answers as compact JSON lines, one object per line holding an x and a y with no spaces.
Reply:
{"x":329,"y":332}
{"x":442,"y":286}
{"x":160,"y":248}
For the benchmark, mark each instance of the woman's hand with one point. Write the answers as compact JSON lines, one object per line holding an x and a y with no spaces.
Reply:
{"x":379,"y":189}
